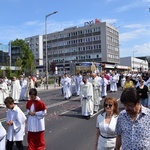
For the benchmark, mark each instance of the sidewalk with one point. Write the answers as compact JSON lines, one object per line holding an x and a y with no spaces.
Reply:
{"x":50,"y":87}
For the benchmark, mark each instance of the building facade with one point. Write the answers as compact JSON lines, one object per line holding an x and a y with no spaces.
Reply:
{"x":4,"y":57}
{"x":35,"y":44}
{"x":135,"y":64}
{"x":96,"y":41}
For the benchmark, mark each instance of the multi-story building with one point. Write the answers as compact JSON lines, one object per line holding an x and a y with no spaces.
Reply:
{"x":15,"y":54}
{"x":4,"y":58}
{"x":96,"y":41}
{"x":36,"y":46}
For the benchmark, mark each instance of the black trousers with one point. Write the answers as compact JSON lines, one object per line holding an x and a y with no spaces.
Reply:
{"x":9,"y":145}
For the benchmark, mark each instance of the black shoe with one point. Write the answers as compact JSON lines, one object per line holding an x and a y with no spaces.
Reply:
{"x":87,"y":117}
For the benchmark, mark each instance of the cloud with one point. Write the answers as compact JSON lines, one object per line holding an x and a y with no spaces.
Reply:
{"x":134,"y":31}
{"x":31,"y":23}
{"x":135,"y":4}
{"x":111,"y":21}
{"x":35,"y":27}
{"x":141,"y":50}
{"x":135,"y":34}
{"x":133,"y":26}
{"x":127,"y":7}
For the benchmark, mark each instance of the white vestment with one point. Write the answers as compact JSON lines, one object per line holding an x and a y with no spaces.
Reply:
{"x":78,"y":80}
{"x":30,"y":85}
{"x":2,"y":137}
{"x":96,"y":92}
{"x":36,"y":123}
{"x":113,"y":83}
{"x":70,"y":86}
{"x":16,"y":88}
{"x":23,"y":90}
{"x":16,"y":131}
{"x":66,"y":87}
{"x":3,"y":92}
{"x":123,"y":81}
{"x":104,"y":83}
{"x":86,"y":91}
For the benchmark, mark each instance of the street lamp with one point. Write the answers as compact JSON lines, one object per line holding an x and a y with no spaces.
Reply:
{"x":46,"y":45}
{"x":9,"y":51}
{"x":133,"y":59}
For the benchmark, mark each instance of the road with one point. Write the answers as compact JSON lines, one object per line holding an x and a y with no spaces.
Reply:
{"x":66,"y":129}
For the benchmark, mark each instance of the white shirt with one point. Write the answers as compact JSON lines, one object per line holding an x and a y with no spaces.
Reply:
{"x":36,"y":123}
{"x":17,"y":130}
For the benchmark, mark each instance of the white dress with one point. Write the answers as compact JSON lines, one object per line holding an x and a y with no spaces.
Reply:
{"x":107,"y":131}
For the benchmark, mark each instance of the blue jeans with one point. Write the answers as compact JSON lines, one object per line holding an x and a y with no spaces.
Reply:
{"x":144,"y":101}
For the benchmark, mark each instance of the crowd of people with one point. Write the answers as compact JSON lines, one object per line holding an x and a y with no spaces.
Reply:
{"x":17,"y":88}
{"x":16,"y":120}
{"x":96,"y":86}
{"x":128,"y":129}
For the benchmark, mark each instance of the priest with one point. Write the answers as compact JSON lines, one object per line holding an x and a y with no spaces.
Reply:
{"x":86,"y":95}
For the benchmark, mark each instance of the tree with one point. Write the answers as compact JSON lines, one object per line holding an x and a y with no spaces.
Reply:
{"x":18,"y":63}
{"x":26,"y":58}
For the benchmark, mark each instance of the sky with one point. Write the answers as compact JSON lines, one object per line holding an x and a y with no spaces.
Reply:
{"x":24,"y":18}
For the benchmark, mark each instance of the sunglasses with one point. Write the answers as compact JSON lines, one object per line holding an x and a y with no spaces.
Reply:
{"x":108,"y":105}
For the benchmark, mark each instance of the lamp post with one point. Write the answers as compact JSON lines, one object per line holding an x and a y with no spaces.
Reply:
{"x":9,"y":54}
{"x":46,"y":45}
{"x":133,"y":59}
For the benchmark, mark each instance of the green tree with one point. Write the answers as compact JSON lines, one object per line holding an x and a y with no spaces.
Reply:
{"x":18,"y":63}
{"x":26,"y":59}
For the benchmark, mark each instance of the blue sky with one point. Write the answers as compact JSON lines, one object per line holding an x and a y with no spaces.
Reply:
{"x":24,"y":18}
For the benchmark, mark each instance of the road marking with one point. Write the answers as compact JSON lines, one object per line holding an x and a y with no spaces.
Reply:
{"x":49,"y":106}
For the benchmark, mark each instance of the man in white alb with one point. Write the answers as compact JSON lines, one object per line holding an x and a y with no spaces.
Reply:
{"x":86,"y":95}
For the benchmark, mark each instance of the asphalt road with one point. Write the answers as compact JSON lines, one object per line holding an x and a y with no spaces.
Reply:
{"x":66,"y":129}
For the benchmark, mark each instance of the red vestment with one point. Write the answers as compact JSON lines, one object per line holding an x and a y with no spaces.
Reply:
{"x":36,"y":140}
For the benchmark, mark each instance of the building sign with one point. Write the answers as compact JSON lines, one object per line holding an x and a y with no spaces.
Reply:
{"x":89,"y":23}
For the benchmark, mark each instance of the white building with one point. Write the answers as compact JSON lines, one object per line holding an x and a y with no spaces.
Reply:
{"x":135,"y":64}
{"x":36,"y":45}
